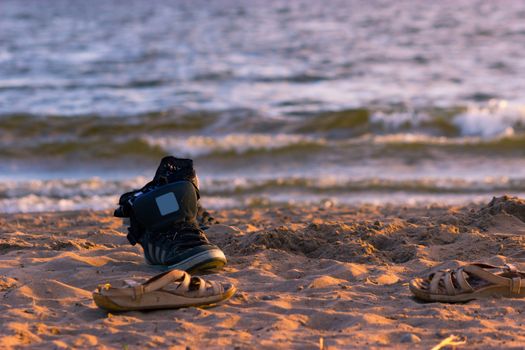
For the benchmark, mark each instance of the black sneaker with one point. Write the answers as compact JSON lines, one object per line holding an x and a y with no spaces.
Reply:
{"x":185,"y":247}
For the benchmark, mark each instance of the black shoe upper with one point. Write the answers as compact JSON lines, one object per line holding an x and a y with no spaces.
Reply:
{"x":177,"y":244}
{"x":165,"y":215}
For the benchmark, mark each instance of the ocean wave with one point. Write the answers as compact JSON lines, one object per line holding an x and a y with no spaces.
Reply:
{"x":497,"y":118}
{"x":34,"y":203}
{"x":28,"y":125}
{"x":281,"y":146}
{"x":286,"y":145}
{"x":495,"y":127}
{"x":68,"y":188}
{"x":236,"y":144}
{"x":337,"y":185}
{"x":99,"y":194}
{"x":491,"y":119}
{"x":417,"y":146}
{"x":85,"y":188}
{"x":63,"y":84}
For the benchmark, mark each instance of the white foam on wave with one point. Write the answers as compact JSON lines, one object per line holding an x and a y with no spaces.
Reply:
{"x":497,"y":118}
{"x":494,"y":119}
{"x":239,"y":143}
{"x":68,"y":188}
{"x":35,"y":203}
{"x":410,"y":138}
{"x":63,"y":194}
{"x":98,"y":194}
{"x":395,"y":121}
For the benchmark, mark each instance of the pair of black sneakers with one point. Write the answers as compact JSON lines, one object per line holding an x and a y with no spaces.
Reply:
{"x":167,"y":220}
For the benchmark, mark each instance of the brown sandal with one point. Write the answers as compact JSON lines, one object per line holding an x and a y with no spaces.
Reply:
{"x":172,"y":289}
{"x":470,"y":282}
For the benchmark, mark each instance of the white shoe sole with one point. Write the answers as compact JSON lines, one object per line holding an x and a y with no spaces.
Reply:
{"x":209,"y":259}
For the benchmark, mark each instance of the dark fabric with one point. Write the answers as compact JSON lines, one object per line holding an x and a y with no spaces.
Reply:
{"x":169,"y":171}
{"x":174,"y":245}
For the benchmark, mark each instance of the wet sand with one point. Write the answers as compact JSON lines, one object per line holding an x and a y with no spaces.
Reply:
{"x":339,"y":274}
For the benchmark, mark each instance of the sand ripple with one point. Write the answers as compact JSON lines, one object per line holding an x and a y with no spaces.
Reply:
{"x":303,"y":274}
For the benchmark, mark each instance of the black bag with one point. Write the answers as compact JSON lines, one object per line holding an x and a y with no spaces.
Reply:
{"x":171,"y":197}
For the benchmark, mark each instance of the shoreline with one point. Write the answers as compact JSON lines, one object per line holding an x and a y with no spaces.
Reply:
{"x":338,"y":274}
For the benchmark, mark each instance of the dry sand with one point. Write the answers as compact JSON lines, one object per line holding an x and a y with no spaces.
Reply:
{"x":338,"y":273}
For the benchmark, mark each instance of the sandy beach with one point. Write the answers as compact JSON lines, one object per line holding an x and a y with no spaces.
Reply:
{"x":306,"y":276}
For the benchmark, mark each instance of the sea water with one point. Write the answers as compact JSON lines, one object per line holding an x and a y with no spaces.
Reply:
{"x":278,"y":102}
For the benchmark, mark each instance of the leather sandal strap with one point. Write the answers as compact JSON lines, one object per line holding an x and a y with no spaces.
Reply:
{"x":150,"y":285}
{"x":202,"y":286}
{"x":479,"y":270}
{"x":162,"y":280}
{"x":514,"y":284}
{"x":462,"y":281}
{"x":184,"y":285}
{"x":449,"y":285}
{"x":434,"y":283}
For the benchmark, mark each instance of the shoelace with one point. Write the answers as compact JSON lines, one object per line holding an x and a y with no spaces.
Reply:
{"x":184,"y":235}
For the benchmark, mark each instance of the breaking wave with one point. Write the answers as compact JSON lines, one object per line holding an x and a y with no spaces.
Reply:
{"x":99,"y":194}
{"x":495,"y":126}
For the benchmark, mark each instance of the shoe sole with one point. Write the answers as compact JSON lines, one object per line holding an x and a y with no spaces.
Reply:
{"x":204,"y":261}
